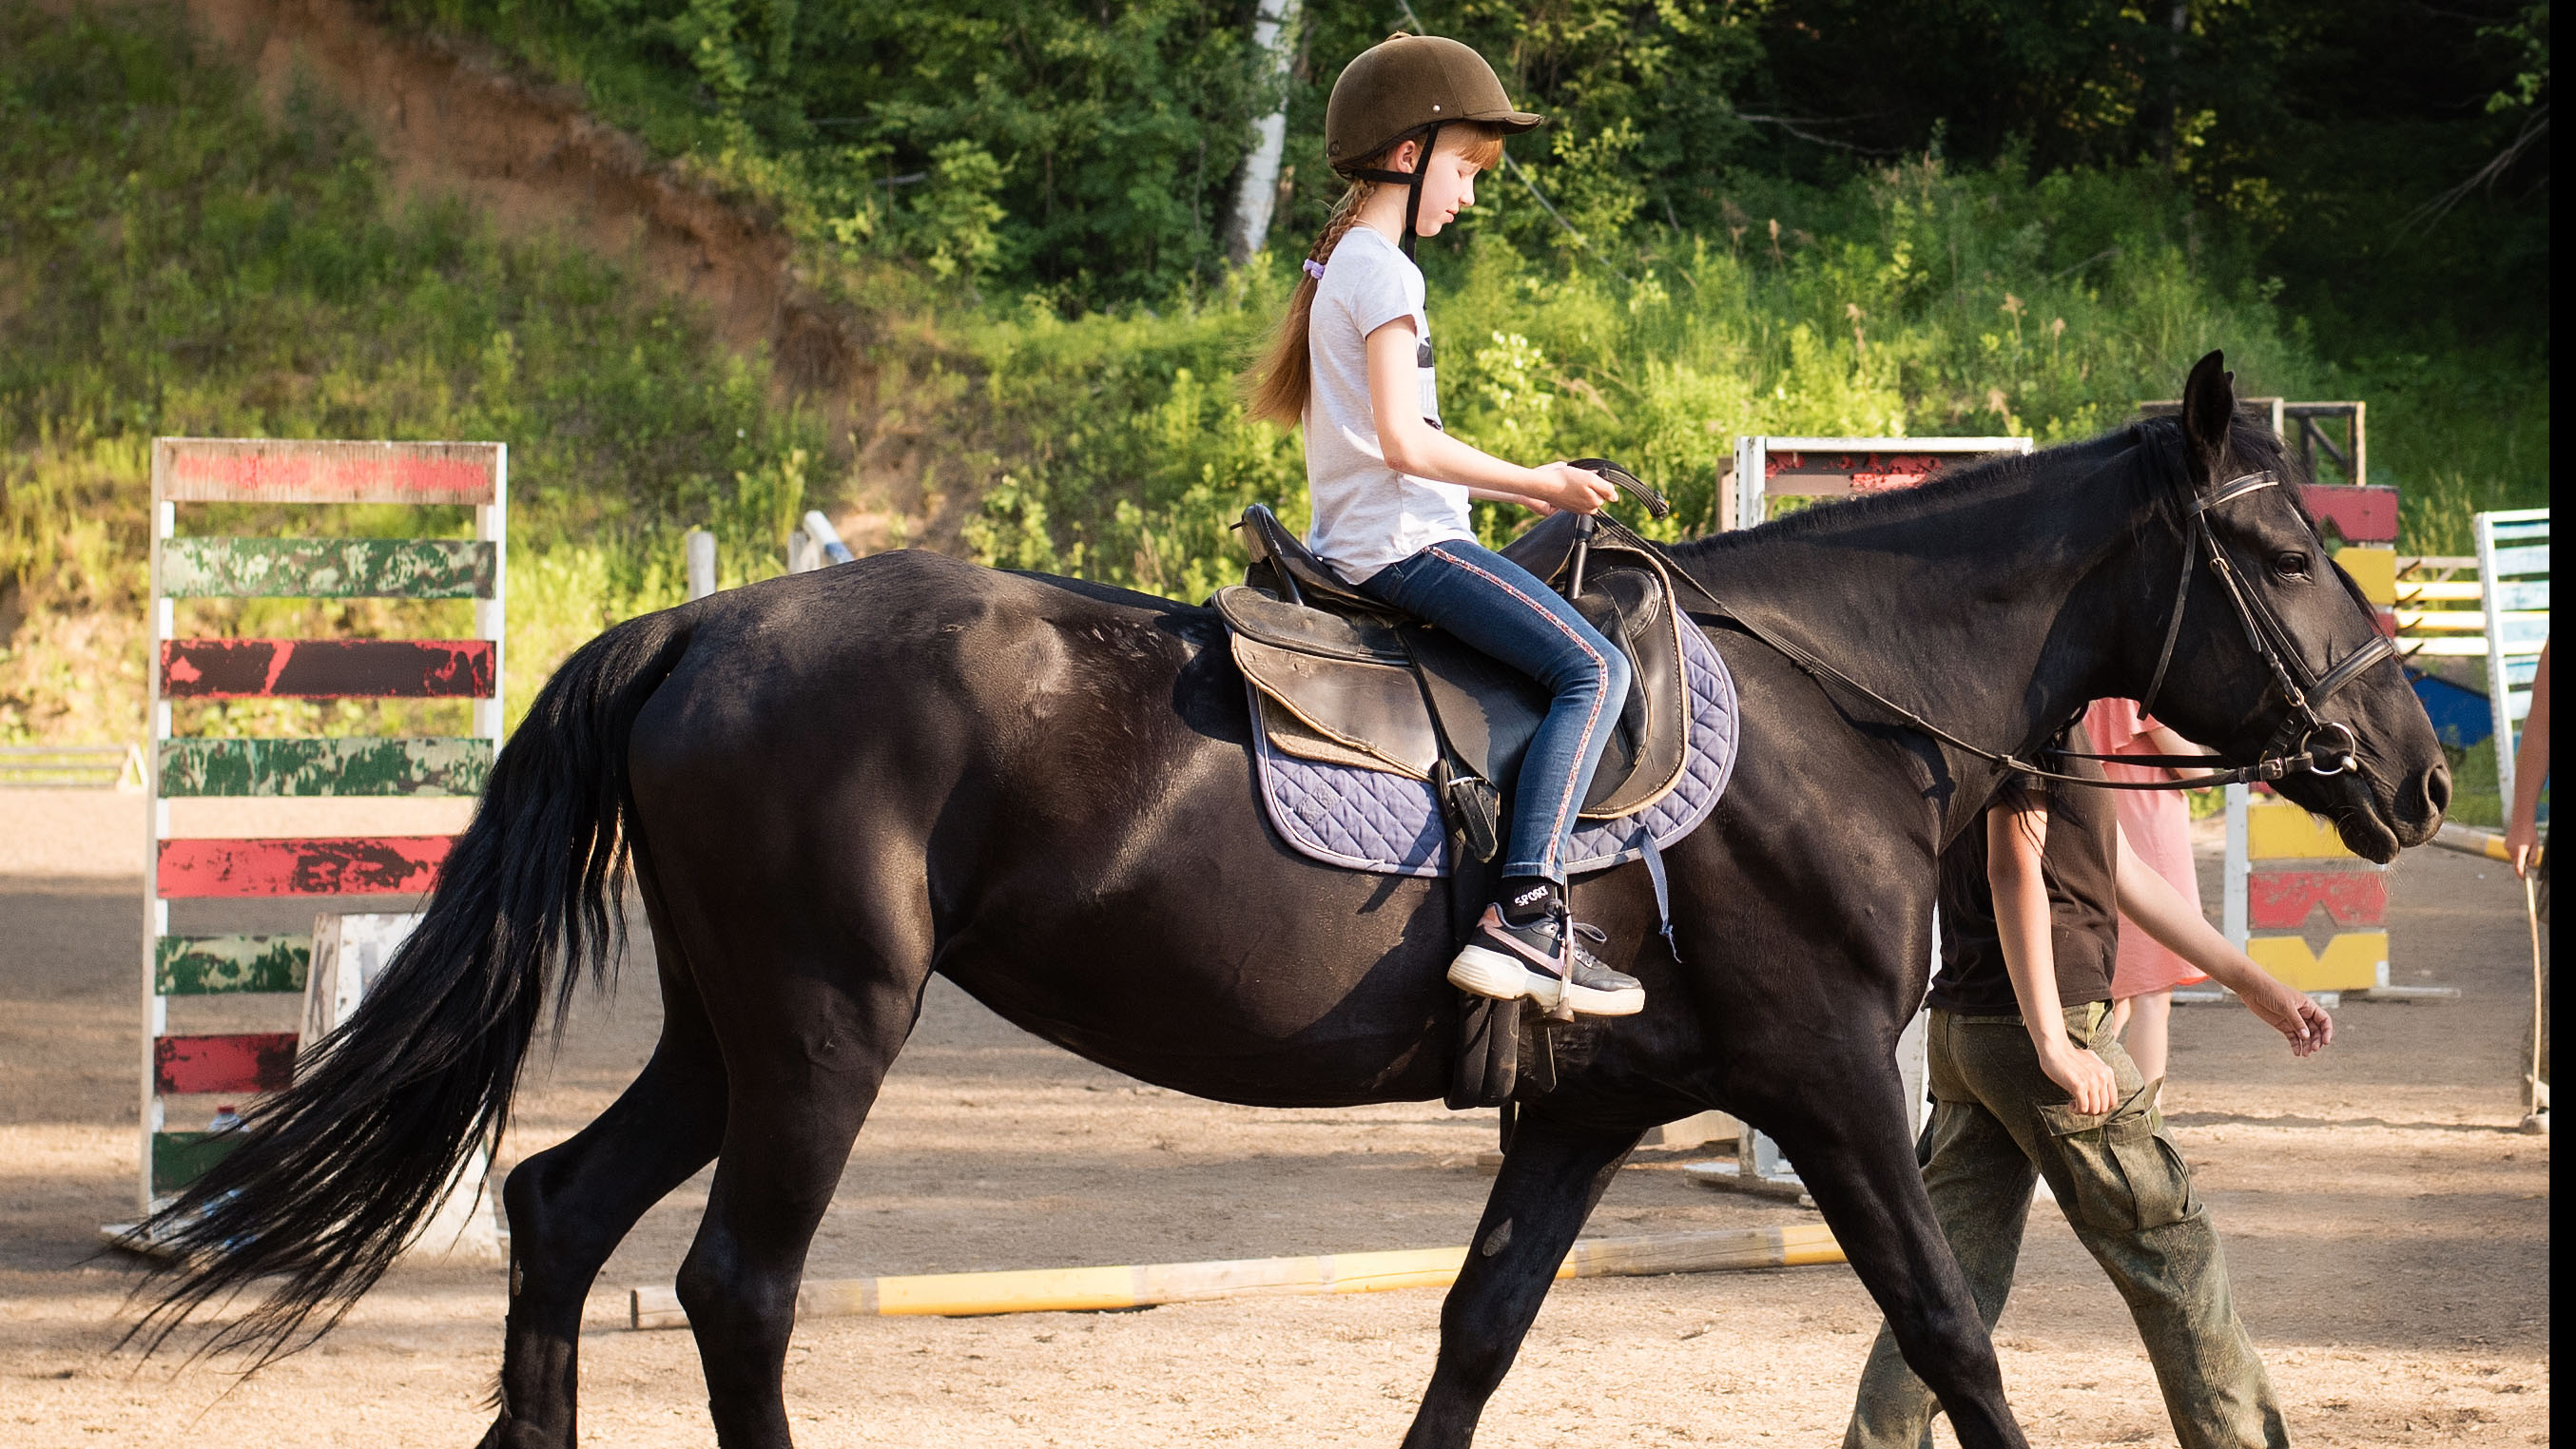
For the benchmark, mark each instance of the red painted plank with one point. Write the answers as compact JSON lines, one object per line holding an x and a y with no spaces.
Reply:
{"x":2366,"y":514}
{"x":349,"y":866}
{"x":186,"y":1065}
{"x":2385,"y":621}
{"x":1861,"y":472}
{"x":2283,"y":899}
{"x":323,"y":668}
{"x":233,"y":470}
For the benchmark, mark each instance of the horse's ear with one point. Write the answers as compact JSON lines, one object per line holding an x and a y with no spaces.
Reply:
{"x":2208,"y":407}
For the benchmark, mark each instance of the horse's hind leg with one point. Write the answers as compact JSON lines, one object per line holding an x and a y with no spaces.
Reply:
{"x":570,"y":1205}
{"x":807,"y":1051}
{"x":1551,"y":1178}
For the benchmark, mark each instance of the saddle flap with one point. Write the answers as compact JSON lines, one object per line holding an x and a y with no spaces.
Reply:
{"x":1633,"y":606}
{"x":1374,"y":709}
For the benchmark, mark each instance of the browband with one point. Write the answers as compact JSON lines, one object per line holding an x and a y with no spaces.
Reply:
{"x":2235,"y":488}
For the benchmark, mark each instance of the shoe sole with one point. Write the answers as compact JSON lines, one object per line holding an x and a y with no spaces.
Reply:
{"x":1488,"y":972}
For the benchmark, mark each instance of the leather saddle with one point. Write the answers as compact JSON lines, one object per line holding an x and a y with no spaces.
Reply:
{"x":1341,"y":678}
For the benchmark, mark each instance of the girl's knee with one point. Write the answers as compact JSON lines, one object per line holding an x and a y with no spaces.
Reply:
{"x":1613,"y":675}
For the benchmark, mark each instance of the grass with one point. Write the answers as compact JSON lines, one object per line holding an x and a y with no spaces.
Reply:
{"x":175,"y":261}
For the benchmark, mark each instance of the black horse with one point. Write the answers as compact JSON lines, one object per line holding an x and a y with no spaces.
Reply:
{"x":837,"y":784}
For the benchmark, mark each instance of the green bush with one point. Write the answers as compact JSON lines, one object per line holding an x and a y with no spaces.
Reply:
{"x":172,"y":260}
{"x":1940,"y":304}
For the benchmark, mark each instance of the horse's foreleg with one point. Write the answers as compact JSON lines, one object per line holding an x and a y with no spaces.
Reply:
{"x":1551,"y":1178}
{"x":1850,"y":1146}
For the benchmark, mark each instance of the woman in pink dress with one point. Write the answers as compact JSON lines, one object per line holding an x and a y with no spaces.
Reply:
{"x":2158,"y":825}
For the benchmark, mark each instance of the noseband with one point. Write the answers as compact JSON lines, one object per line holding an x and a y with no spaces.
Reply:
{"x":2272,"y":642}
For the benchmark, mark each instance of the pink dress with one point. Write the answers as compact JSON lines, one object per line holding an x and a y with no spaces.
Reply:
{"x":2158,"y":824}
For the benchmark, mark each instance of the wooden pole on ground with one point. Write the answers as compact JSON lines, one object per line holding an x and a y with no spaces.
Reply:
{"x":1143,"y":1285}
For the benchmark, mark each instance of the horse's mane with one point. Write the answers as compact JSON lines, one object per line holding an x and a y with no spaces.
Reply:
{"x":2155,"y":443}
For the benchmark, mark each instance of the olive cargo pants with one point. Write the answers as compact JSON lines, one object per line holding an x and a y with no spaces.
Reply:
{"x":1997,"y":1120}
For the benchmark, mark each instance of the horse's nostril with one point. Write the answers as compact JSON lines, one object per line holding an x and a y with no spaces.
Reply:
{"x":2437,"y":788}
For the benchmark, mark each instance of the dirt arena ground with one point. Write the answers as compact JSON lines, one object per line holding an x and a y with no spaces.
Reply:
{"x":2388,"y":1228}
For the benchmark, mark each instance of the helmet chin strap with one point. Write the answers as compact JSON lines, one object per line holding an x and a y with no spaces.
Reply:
{"x":1412,"y":181}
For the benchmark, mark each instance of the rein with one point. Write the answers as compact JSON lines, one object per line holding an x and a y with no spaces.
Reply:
{"x":2263,"y":630}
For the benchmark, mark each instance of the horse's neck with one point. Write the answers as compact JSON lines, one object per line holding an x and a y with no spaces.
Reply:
{"x":1986,"y":614}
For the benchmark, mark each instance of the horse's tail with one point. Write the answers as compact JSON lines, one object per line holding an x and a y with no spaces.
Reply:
{"x":335,"y":1175}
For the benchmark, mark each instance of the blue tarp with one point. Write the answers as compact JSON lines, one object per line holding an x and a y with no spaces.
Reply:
{"x":2460,"y":715}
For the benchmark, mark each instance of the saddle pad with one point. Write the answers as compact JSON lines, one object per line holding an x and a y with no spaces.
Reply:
{"x":1370,"y":820}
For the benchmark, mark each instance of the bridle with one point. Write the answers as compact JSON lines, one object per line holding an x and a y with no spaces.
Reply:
{"x":2294,"y":744}
{"x":2271,"y":640}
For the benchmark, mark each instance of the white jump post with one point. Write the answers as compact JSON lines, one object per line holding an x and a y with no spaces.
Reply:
{"x":699,"y":547}
{"x":2513,"y":570}
{"x":2513,"y":574}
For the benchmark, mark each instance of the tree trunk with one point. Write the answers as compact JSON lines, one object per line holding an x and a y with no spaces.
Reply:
{"x":1274,"y":26}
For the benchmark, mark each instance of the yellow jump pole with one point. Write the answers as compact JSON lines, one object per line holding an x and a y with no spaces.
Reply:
{"x":1143,"y":1285}
{"x":2469,"y":840}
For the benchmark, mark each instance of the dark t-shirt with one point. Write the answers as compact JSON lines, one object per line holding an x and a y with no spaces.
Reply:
{"x":2083,"y":906}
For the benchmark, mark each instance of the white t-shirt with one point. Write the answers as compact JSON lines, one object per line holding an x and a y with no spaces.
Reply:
{"x":1367,"y":515}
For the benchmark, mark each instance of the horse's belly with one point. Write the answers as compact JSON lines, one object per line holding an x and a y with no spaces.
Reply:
{"x":1210,"y":959}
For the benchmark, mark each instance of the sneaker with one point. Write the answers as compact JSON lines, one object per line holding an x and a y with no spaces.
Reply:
{"x":1538,"y":961}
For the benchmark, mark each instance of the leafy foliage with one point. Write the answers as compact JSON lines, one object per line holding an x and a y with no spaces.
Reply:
{"x":1985,"y":304}
{"x":1049,"y":178}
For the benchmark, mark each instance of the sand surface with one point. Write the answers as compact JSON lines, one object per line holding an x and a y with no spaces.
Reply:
{"x":2388,"y":1229}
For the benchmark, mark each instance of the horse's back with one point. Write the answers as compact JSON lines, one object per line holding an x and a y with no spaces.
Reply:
{"x":907,"y":651}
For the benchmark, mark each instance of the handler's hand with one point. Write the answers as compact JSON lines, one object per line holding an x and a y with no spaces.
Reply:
{"x":2290,"y":1012}
{"x":2086,"y":1077}
{"x":2522,"y":844}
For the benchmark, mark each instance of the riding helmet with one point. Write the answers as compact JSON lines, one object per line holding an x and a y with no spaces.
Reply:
{"x":1407,"y":83}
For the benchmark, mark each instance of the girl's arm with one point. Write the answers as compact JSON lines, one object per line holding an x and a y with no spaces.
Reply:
{"x":1413,"y":446}
{"x":2015,"y":837}
{"x":2150,"y":901}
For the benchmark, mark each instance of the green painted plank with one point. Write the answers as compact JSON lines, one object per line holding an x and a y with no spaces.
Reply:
{"x":218,"y":965}
{"x":326,"y":568}
{"x":180,"y":1158}
{"x":356,"y":765}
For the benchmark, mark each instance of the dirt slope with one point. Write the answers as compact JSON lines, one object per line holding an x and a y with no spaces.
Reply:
{"x":451,"y":117}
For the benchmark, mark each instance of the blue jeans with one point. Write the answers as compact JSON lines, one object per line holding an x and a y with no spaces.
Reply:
{"x":1494,"y":605}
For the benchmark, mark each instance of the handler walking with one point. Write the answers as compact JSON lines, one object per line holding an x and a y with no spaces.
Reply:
{"x":2029,"y":1080}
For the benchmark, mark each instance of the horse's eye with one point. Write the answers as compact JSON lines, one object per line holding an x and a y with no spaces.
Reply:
{"x":2290,"y":563}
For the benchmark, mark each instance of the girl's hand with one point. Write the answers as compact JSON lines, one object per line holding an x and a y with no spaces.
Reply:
{"x":2086,"y":1077}
{"x":1575,"y":490}
{"x":2292,"y":1014}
